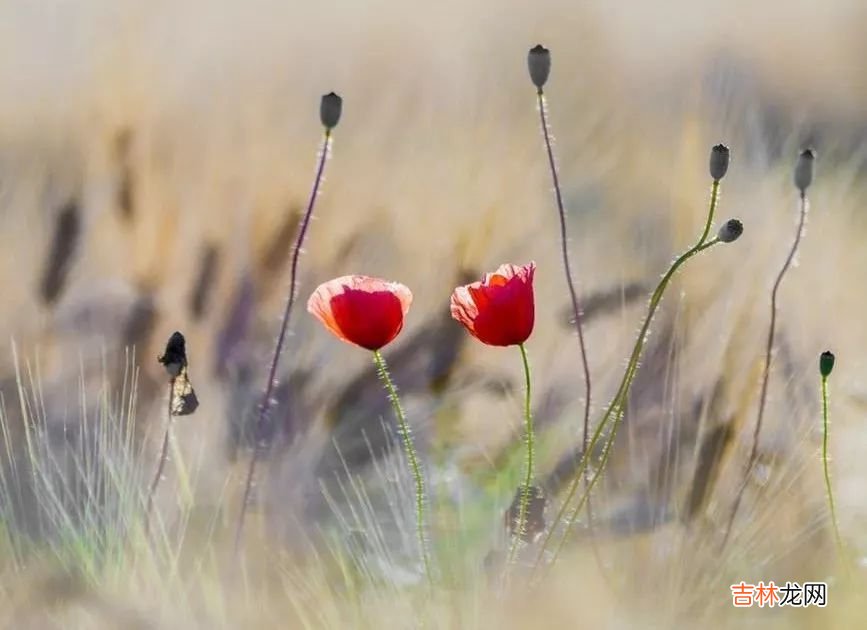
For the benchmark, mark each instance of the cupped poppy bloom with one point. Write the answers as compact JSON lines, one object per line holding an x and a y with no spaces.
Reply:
{"x":499,"y":310}
{"x":365,"y":311}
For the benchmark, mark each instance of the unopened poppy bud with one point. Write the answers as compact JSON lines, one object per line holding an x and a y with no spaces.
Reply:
{"x":329,"y":110}
{"x":719,"y":161}
{"x":730,"y":231}
{"x":804,"y":170}
{"x":826,"y":363}
{"x":539,"y":63}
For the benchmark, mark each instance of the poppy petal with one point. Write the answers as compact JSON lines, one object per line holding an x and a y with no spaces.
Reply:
{"x":500,"y":309}
{"x":361,"y":310}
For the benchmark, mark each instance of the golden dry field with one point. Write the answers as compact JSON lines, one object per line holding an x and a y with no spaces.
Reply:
{"x":156,"y":161}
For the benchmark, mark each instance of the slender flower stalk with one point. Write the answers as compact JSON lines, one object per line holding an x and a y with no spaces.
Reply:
{"x":500,"y":310}
{"x":567,"y":267}
{"x":520,"y":530}
{"x":329,"y":114}
{"x":369,"y":313}
{"x":164,"y":456}
{"x":182,"y":401}
{"x":826,"y":365}
{"x":731,"y":229}
{"x":615,"y":410}
{"x":539,"y":64}
{"x":803,"y":179}
{"x":412,"y":459}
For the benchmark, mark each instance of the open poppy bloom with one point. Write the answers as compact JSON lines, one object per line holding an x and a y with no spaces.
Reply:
{"x":362,"y":310}
{"x":499,"y":310}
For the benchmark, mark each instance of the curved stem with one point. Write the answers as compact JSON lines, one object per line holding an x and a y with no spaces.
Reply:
{"x":769,"y":349}
{"x":528,"y":478}
{"x":714,"y":200}
{"x":837,"y":538}
{"x":164,"y":456}
{"x":265,"y":405}
{"x":576,"y":309}
{"x":412,"y":458}
{"x":564,"y":252}
{"x":615,"y":408}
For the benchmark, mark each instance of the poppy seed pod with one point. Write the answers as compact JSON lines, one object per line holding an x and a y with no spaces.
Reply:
{"x":539,"y":64}
{"x":730,"y":231}
{"x":719,"y":161}
{"x":826,"y":363}
{"x":804,"y":170}
{"x":330,"y":109}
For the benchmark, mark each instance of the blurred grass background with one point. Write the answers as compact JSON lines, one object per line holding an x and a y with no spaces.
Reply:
{"x":171,"y":142}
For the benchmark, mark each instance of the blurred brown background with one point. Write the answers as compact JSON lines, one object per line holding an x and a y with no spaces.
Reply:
{"x":155,"y":158}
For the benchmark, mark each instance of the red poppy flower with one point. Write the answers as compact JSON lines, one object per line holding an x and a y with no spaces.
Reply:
{"x":499,"y":310}
{"x":362,"y":310}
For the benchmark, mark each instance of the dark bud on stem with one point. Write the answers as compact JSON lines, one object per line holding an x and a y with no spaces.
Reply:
{"x":826,"y":363}
{"x":730,"y":231}
{"x":330,"y":109}
{"x":804,"y":170}
{"x":539,"y":64}
{"x":719,"y":161}
{"x":175,"y":356}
